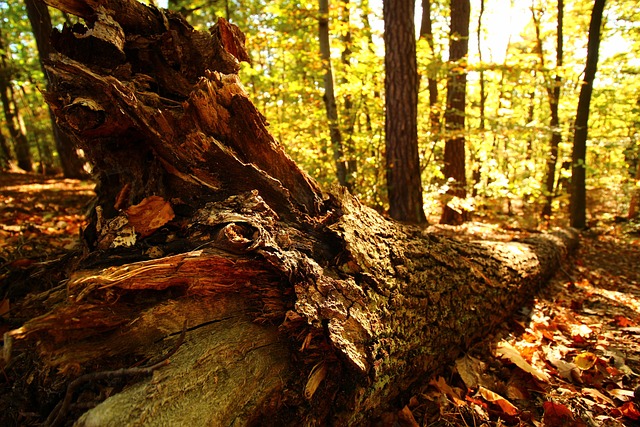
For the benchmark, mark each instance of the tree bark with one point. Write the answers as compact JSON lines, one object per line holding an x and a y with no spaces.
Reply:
{"x":426,"y":31}
{"x":40,"y":19}
{"x":329,"y":95}
{"x":454,"y":150}
{"x":5,"y":152}
{"x":301,"y":308}
{"x":553,"y":93}
{"x":404,"y":183}
{"x":578,"y":203}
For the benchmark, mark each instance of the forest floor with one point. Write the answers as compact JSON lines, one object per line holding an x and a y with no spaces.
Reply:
{"x":570,"y":358}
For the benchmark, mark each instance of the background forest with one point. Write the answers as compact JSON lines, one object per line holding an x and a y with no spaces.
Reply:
{"x":516,"y":66}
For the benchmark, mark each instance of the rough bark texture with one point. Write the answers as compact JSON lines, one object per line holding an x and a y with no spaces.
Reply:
{"x":301,"y":308}
{"x":404,"y":184}
{"x":578,"y":203}
{"x":454,"y":150}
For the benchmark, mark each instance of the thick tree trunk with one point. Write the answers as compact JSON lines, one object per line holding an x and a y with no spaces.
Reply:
{"x":404,"y":182}
{"x":301,"y":308}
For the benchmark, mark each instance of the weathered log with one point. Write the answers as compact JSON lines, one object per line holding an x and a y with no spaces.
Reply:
{"x":302,"y":308}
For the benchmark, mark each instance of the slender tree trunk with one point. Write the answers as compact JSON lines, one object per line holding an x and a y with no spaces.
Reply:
{"x":426,"y":32}
{"x":13,"y":120}
{"x":483,"y":94}
{"x":299,"y":307}
{"x":578,"y":167}
{"x":454,"y":151}
{"x":553,"y":92}
{"x":349,"y":113}
{"x":404,"y":184}
{"x":40,"y":19}
{"x":476,"y":174}
{"x":329,"y":94}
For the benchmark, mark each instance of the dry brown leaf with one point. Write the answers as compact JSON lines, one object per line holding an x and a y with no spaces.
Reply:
{"x":556,"y":415}
{"x":444,"y":388}
{"x":149,"y":215}
{"x":406,"y":419}
{"x":490,"y":396}
{"x":597,"y":396}
{"x":507,"y":351}
{"x":470,"y":370}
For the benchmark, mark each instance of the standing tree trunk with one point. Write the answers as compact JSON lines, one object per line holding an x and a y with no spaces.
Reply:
{"x":40,"y":19}
{"x":5,"y":152}
{"x":349,"y":113}
{"x":426,"y":31}
{"x":553,"y":92}
{"x":301,"y":308}
{"x":11,"y":111}
{"x":404,"y":183}
{"x":579,"y":157}
{"x":329,"y":94}
{"x":454,"y":150}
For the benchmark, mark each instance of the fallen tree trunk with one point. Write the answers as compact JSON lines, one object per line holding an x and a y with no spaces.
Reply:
{"x":301,"y":307}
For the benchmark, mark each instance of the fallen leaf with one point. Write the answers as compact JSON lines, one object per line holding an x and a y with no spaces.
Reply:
{"x":556,"y":414}
{"x":620,"y":394}
{"x":506,"y":406}
{"x":599,"y":397}
{"x":445,"y":389}
{"x":471,"y":371}
{"x":406,"y":419}
{"x":629,"y":410}
{"x":150,"y":214}
{"x":507,"y":351}
{"x":585,"y":361}
{"x":566,"y":370}
{"x":623,"y":321}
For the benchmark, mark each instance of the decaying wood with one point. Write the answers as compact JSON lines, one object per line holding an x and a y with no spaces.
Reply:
{"x":303,"y":308}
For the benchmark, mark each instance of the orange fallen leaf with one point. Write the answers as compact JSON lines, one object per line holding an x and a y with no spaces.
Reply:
{"x":149,"y":215}
{"x":628,"y":410}
{"x":506,"y":406}
{"x":507,"y":351}
{"x":623,"y":321}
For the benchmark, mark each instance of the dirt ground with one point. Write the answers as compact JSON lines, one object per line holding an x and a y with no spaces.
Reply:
{"x":570,"y":358}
